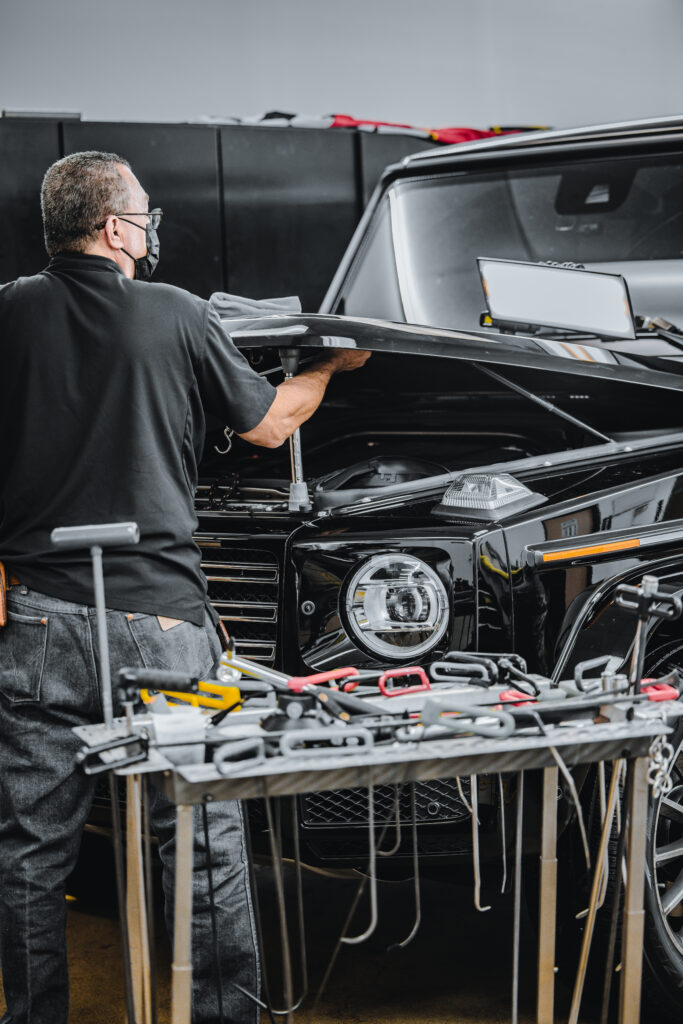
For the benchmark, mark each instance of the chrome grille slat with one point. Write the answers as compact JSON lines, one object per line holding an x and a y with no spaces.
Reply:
{"x":249,"y":604}
{"x":256,"y":651}
{"x":239,"y":579}
{"x":234,"y":617}
{"x":267,"y":573}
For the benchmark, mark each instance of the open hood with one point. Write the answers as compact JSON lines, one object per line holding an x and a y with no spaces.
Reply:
{"x":433,"y":403}
{"x":325,"y":331}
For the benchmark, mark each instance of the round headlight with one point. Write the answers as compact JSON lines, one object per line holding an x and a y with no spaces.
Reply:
{"x":396,"y":606}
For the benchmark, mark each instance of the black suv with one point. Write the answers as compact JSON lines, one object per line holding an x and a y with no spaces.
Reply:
{"x":573,"y":436}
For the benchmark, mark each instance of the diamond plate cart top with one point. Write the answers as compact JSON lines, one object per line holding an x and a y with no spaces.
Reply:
{"x":308,"y":771}
{"x":395,"y":764}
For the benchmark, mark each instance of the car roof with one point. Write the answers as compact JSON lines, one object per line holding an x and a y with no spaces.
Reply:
{"x":672,"y":123}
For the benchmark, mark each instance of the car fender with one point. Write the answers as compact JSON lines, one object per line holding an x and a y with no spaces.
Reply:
{"x":601,"y":626}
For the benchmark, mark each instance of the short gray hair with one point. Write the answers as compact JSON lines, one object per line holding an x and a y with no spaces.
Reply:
{"x":78,"y":193}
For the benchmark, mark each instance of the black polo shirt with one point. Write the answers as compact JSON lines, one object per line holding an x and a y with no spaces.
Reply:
{"x":105,"y":383}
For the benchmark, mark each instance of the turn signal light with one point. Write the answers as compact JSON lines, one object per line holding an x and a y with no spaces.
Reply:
{"x":593,"y":549}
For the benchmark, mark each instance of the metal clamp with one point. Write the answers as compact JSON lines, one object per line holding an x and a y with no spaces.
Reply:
{"x":244,"y":753}
{"x":447,"y":671}
{"x":609,"y":663}
{"x":497,"y":724}
{"x":645,"y":601}
{"x":292,"y":743}
{"x":648,"y":600}
{"x":92,"y":763}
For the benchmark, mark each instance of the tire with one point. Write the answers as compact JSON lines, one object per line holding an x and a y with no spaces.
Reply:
{"x":663,"y":946}
{"x":663,"y":943}
{"x":663,"y":928}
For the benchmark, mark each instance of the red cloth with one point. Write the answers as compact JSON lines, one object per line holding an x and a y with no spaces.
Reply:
{"x":445,"y":135}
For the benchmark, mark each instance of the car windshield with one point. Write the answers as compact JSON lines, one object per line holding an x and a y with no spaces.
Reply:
{"x":418,"y":262}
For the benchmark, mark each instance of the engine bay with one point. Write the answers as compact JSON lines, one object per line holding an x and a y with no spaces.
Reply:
{"x":404,"y":420}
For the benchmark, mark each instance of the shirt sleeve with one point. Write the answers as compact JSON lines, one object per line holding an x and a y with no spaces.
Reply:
{"x":229,"y":388}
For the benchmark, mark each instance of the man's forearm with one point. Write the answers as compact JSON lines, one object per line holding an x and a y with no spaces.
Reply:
{"x":298,"y":398}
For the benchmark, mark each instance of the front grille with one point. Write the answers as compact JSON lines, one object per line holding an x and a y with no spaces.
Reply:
{"x":244,"y":588}
{"x":435,"y":801}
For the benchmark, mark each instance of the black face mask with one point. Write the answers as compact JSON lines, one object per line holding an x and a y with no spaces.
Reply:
{"x":146,"y":265}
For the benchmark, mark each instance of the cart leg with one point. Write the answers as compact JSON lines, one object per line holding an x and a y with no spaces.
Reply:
{"x":136,"y":906}
{"x":545,"y":1004}
{"x":634,"y":913}
{"x":181,"y":969}
{"x":595,"y":894}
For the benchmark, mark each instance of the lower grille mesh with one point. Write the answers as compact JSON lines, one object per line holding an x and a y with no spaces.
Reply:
{"x":435,"y":801}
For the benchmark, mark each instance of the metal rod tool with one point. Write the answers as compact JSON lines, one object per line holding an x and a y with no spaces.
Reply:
{"x":646,"y":601}
{"x":95,"y":538}
{"x":595,"y":894}
{"x":299,"y":499}
{"x":545,"y":1004}
{"x":517,"y":898}
{"x":474,"y":797}
{"x":372,"y":861}
{"x":416,"y":875}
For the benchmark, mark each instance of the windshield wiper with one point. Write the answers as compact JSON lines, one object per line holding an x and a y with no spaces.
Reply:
{"x":542,"y":402}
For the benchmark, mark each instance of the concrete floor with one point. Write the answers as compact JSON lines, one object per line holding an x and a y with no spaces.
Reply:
{"x":457,"y":970}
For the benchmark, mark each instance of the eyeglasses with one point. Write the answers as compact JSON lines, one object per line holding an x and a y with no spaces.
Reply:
{"x":153,"y":217}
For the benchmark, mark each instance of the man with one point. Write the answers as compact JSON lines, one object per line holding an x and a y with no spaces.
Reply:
{"x":106,"y":383}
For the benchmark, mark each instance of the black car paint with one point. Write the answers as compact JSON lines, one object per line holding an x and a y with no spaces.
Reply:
{"x":598,"y":434}
{"x":423,"y":380}
{"x":512,"y":589}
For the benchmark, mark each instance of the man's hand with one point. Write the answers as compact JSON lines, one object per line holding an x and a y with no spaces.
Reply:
{"x":346,"y":359}
{"x":299,"y":397}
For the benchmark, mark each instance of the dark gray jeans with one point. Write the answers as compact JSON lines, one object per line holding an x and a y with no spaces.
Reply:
{"x":48,"y":684}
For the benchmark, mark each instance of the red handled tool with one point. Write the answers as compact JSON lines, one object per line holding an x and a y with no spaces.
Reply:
{"x":398,"y":673}
{"x":297,"y":684}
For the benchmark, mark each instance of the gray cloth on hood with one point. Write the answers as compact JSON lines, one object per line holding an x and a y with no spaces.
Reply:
{"x":234,"y":306}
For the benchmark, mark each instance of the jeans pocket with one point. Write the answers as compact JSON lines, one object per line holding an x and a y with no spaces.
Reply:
{"x":184,"y":648}
{"x":23,"y":643}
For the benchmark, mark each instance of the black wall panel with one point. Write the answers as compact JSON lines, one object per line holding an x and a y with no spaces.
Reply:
{"x":378,"y":151}
{"x":253,"y":210}
{"x":178,"y":166}
{"x":27,"y":148}
{"x":291,"y":204}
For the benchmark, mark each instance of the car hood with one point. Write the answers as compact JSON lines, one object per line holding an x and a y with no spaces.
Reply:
{"x":328,"y":331}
